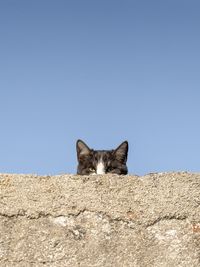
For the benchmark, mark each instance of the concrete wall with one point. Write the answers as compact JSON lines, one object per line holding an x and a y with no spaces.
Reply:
{"x":108,"y":220}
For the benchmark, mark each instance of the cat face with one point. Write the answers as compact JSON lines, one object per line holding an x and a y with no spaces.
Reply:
{"x":92,"y":161}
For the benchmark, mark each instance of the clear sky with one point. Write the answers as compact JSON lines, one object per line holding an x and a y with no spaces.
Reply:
{"x":103,"y":71}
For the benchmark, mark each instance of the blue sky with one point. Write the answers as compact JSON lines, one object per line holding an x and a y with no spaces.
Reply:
{"x":103,"y":71}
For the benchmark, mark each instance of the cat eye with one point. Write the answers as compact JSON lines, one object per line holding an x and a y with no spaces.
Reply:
{"x":109,"y":169}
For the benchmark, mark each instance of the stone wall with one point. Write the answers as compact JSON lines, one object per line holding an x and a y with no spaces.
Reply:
{"x":109,"y":220}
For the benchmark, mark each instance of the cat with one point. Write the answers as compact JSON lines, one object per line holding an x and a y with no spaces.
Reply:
{"x":92,"y":161}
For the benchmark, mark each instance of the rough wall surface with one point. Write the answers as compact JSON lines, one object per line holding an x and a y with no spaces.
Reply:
{"x":85,"y":221}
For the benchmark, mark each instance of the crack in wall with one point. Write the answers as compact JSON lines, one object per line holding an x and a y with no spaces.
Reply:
{"x":101,"y":214}
{"x":166,"y":218}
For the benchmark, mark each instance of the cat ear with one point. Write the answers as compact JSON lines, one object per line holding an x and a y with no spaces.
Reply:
{"x":121,"y":152}
{"x":82,"y":148}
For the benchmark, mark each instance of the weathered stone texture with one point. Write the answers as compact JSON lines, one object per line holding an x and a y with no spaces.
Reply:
{"x":108,"y":220}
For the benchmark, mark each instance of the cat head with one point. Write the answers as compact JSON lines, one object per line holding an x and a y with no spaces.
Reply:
{"x":92,"y":161}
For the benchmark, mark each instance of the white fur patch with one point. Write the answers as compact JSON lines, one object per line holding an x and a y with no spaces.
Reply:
{"x":100,"y":167}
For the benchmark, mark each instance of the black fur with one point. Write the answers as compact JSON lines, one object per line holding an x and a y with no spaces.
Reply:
{"x":114,"y":160}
